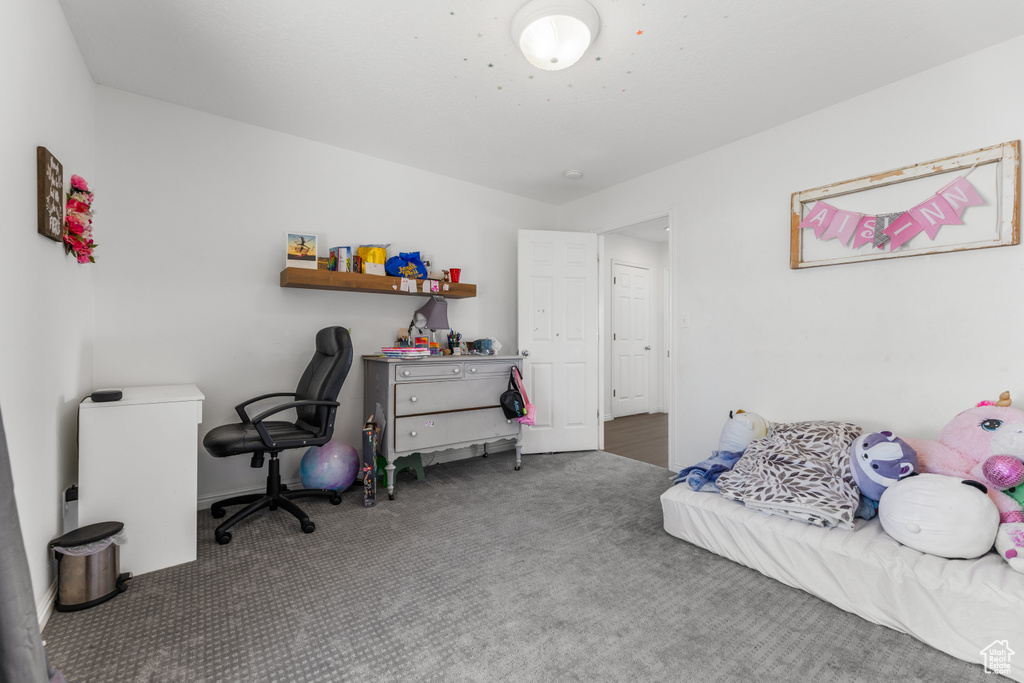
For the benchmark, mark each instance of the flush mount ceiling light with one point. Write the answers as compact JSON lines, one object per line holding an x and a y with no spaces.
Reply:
{"x":573,"y":174}
{"x":554,"y":34}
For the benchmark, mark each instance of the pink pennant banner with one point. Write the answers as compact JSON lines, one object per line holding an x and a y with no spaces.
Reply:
{"x":819,"y":217}
{"x":933,"y":213}
{"x":865,"y":231}
{"x":960,"y":194}
{"x":902,"y":230}
{"x":945,"y":207}
{"x":842,"y":226}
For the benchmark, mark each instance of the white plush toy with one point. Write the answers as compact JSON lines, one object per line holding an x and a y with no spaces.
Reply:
{"x":940,"y":515}
{"x":740,"y":429}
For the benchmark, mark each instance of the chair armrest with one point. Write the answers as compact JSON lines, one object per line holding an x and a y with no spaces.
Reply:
{"x":257,"y":421}
{"x":240,"y":408}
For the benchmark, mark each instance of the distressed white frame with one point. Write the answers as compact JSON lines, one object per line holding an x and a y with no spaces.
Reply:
{"x":1006,"y":156}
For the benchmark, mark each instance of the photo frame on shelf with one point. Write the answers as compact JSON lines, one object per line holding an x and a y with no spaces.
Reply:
{"x":300,"y":251}
{"x":965,"y":201}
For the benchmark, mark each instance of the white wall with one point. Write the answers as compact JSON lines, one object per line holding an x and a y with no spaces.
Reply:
{"x":902,"y":344}
{"x":45,"y":296}
{"x":193,"y":247}
{"x":628,"y":250}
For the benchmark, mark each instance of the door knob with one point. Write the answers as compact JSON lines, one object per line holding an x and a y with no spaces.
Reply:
{"x":647,"y":348}
{"x":525,"y":352}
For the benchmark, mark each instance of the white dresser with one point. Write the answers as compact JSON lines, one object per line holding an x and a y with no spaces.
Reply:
{"x":439,"y":402}
{"x":137,"y":462}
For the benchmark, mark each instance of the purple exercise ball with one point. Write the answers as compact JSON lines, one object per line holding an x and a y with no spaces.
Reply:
{"x":331,"y":466}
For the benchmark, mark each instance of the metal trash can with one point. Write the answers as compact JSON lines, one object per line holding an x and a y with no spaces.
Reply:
{"x":88,"y":566}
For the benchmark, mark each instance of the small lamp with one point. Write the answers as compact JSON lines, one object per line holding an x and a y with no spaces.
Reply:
{"x":554,"y":34}
{"x":432,"y":316}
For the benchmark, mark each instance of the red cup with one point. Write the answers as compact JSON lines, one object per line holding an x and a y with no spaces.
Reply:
{"x":455,"y":272}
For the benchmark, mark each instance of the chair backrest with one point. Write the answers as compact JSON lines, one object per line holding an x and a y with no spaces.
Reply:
{"x":324,"y":375}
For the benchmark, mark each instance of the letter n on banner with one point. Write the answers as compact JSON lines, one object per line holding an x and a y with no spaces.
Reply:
{"x":960,"y":194}
{"x":902,"y":230}
{"x":933,"y":213}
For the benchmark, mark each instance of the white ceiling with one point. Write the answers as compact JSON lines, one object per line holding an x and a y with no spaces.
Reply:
{"x":439,"y":85}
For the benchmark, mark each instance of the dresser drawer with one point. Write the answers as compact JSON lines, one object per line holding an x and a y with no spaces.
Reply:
{"x":410,"y":372}
{"x":430,"y":431}
{"x":416,"y":398}
{"x":489,"y":368}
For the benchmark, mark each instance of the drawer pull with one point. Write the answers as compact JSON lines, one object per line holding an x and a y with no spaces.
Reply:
{"x":508,"y":422}
{"x":472,"y":369}
{"x":406,"y":373}
{"x":412,"y":398}
{"x":412,"y":433}
{"x":455,"y":370}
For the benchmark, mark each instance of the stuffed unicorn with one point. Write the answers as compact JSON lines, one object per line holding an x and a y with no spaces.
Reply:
{"x":986,"y":444}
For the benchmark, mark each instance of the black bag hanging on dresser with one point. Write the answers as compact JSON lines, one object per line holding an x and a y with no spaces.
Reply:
{"x":512,"y":403}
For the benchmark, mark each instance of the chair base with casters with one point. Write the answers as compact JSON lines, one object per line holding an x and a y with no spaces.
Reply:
{"x":278,"y":495}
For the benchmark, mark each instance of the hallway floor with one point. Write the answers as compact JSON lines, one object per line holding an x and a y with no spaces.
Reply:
{"x":642,"y":437}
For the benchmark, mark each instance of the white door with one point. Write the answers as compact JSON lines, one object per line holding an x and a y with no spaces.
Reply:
{"x":631,"y":340}
{"x":558,"y":327}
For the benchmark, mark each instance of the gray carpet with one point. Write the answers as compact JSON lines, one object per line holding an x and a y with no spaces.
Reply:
{"x":560,"y":571}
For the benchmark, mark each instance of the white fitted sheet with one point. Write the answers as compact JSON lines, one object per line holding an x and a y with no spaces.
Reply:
{"x":957,"y":606}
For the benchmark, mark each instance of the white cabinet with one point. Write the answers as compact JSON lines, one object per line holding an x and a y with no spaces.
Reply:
{"x":137,"y":461}
{"x":440,"y":402}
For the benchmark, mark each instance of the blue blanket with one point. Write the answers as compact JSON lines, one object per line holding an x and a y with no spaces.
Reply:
{"x":702,"y":476}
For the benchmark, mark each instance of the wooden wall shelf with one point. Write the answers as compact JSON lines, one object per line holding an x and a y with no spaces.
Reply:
{"x":307,"y":278}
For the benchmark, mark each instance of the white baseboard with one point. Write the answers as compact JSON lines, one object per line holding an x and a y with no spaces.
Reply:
{"x":608,"y":417}
{"x":44,"y":608}
{"x":206,"y":500}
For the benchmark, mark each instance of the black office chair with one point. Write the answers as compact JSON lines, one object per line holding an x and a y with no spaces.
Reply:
{"x":315,"y":407}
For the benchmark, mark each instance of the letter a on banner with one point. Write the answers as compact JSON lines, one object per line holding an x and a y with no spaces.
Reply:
{"x":819,"y":218}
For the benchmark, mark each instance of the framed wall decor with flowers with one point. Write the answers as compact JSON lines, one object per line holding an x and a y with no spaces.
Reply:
{"x":50,"y":194}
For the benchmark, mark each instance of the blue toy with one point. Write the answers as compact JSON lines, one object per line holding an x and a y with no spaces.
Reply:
{"x":331,"y":466}
{"x":879,"y":460}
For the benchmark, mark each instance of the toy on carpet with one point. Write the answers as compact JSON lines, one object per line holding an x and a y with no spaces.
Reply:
{"x":879,"y":460}
{"x":331,"y":466}
{"x":945,"y":516}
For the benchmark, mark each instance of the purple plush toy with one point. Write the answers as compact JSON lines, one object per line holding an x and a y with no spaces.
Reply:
{"x":879,"y":460}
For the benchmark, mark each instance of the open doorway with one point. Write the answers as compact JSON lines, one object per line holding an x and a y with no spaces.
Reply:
{"x":635,"y":270}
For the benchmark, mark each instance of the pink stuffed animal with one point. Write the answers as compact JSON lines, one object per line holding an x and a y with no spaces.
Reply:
{"x":986,"y":444}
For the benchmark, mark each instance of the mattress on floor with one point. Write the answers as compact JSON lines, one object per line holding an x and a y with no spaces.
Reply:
{"x":958,"y":606}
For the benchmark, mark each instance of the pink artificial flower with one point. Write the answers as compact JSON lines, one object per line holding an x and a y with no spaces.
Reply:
{"x":75,"y":224}
{"x":77,"y":205}
{"x":78,"y":182}
{"x":83,"y":257}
